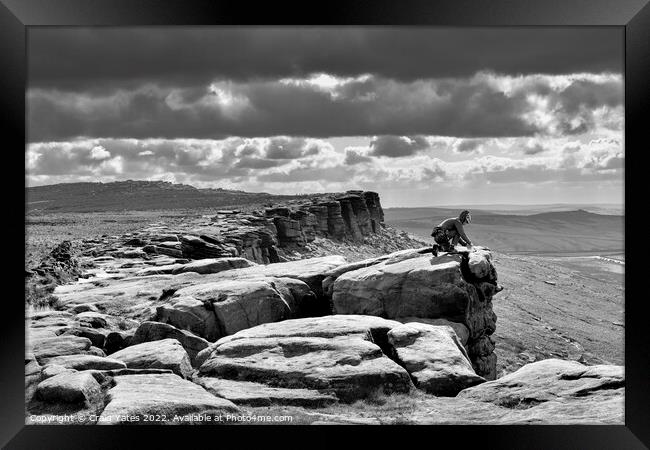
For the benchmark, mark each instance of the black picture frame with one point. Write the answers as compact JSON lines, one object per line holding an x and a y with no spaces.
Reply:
{"x":633,"y":16}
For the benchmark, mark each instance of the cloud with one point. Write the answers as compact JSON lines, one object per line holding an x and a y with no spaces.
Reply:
{"x":532,"y":148}
{"x":468,"y":145}
{"x":397,"y":146}
{"x":355,"y":156}
{"x":480,"y":106}
{"x":257,"y":163}
{"x":291,"y":148}
{"x":106,"y":58}
{"x":241,"y":163}
{"x":331,"y":174}
{"x":98,"y":152}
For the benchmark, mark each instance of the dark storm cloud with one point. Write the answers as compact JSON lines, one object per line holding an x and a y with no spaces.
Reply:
{"x":103,"y":58}
{"x":464,"y":108}
{"x":451,"y":108}
{"x":397,"y":146}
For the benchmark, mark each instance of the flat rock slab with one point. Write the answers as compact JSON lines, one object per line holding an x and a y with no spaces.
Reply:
{"x":56,"y":319}
{"x":325,"y":327}
{"x":213,"y":265}
{"x":135,"y":398}
{"x":551,"y":380}
{"x":50,"y":314}
{"x":59,"y":346}
{"x":257,"y":394}
{"x":435,"y":358}
{"x":70,"y":387}
{"x":162,"y":354}
{"x":54,"y":369}
{"x":349,"y":365}
{"x":85,"y":362}
{"x":366,"y":327}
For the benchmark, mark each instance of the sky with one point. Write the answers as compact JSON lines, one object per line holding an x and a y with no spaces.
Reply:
{"x":423,"y":115}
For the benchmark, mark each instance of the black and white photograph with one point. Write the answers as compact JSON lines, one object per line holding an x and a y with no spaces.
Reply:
{"x":309,"y":225}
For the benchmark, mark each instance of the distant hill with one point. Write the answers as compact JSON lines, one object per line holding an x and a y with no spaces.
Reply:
{"x":599,"y":208}
{"x":136,"y":195}
{"x":548,"y":232}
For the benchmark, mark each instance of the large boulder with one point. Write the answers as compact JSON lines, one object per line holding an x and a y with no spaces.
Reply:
{"x":555,"y":391}
{"x":409,"y":284}
{"x":334,"y":353}
{"x":228,"y":306}
{"x":60,"y":345}
{"x":155,"y":331}
{"x":434,"y":357}
{"x":70,"y":387}
{"x":162,"y":354}
{"x":549,"y":380}
{"x":161,"y":398}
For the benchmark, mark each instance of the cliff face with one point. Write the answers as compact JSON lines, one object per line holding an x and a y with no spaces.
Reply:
{"x":264,"y":235}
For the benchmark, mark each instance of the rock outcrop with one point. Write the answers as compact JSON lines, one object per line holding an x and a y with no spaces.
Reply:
{"x":261,"y":235}
{"x":218,"y":313}
{"x":337,"y":354}
{"x":410,"y":284}
{"x":220,"y":308}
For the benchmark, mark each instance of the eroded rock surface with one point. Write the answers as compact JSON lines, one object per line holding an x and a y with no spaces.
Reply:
{"x":410,"y":284}
{"x":434,"y":357}
{"x":335,"y":354}
{"x":258,"y":394}
{"x":161,"y":396}
{"x":553,"y":380}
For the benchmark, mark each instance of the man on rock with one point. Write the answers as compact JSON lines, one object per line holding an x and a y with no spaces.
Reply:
{"x":450,"y":232}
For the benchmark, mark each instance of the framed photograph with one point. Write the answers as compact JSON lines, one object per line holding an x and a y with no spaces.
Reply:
{"x":371,"y":214}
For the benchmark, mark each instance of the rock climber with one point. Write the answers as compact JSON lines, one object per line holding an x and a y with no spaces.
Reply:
{"x":451,"y":232}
